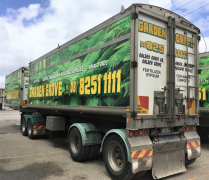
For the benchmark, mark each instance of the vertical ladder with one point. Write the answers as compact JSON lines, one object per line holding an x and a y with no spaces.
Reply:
{"x":195,"y":74}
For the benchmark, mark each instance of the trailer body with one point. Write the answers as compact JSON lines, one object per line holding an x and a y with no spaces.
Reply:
{"x":203,"y":95}
{"x":16,"y":88}
{"x":128,"y":87}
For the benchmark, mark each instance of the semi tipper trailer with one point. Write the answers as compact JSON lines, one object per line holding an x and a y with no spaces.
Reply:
{"x":203,"y":129}
{"x":127,"y":88}
{"x":16,"y":88}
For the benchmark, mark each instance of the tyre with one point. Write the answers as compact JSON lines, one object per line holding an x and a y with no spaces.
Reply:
{"x":30,"y":129}
{"x":189,"y":162}
{"x":23,"y":127}
{"x":116,"y":160}
{"x":77,"y":150}
{"x":21,"y":119}
{"x":94,"y":151}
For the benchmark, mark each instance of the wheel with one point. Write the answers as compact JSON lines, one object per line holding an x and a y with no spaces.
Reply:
{"x":30,"y":129}
{"x":189,"y":162}
{"x":94,"y":151}
{"x":77,"y":150}
{"x":139,"y":175}
{"x":21,"y":119}
{"x":116,"y":160}
{"x":24,"y":129}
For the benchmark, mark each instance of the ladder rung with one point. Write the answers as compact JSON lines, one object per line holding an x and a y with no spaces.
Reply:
{"x":189,"y":64}
{"x":193,"y":86}
{"x":191,"y":53}
{"x":189,"y":98}
{"x":192,"y":114}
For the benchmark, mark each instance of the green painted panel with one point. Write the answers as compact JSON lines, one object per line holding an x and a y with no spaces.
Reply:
{"x":14,"y":76}
{"x":12,"y":92}
{"x":100,"y":78}
{"x":103,"y":36}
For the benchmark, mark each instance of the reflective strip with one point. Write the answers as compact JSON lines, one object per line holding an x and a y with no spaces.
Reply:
{"x":141,"y":153}
{"x":39,"y":127}
{"x":193,"y":144}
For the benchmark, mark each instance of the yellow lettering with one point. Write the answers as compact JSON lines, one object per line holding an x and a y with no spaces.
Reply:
{"x":163,"y":33}
{"x":47,"y":90}
{"x":155,"y":30}
{"x":56,"y":88}
{"x":42,"y":90}
{"x":52,"y":90}
{"x":140,"y":25}
{"x":60,"y":88}
{"x":150,"y":29}
{"x":30,"y":95}
{"x":191,"y":43}
{"x":185,"y":40}
{"x":37,"y":92}
{"x":146,"y":27}
{"x":177,"y":39}
{"x":159,"y":31}
{"x":181,"y":39}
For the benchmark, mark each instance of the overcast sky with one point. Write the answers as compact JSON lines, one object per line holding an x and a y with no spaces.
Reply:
{"x":31,"y":28}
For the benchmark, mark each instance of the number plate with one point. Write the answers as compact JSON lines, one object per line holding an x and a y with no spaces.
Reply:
{"x":165,"y":130}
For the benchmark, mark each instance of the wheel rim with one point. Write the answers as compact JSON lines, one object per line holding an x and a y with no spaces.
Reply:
{"x":115,"y":157}
{"x":75,"y":143}
{"x":29,"y":127}
{"x":23,"y":125}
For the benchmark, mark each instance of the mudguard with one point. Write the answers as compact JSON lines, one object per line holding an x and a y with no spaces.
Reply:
{"x":193,"y":148}
{"x":34,"y":118}
{"x":141,"y":153}
{"x":39,"y":124}
{"x":122,"y":134}
{"x":89,"y":132}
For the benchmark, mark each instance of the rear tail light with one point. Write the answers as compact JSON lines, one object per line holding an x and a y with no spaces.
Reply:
{"x":190,"y":128}
{"x":145,"y":132}
{"x":193,"y":128}
{"x":184,"y":129}
{"x":131,"y":133}
{"x":140,"y":133}
{"x":136,"y":133}
{"x":187,"y":128}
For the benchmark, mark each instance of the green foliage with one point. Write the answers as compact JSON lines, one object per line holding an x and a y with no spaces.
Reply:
{"x":204,"y":82}
{"x":9,"y":88}
{"x":118,"y":56}
{"x":204,"y":61}
{"x":103,"y":36}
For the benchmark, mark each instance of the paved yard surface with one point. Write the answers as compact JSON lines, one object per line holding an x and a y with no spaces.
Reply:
{"x":48,"y":158}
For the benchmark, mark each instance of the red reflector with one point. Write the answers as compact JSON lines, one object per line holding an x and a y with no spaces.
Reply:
{"x":176,"y":117}
{"x":136,"y":133}
{"x":145,"y":132}
{"x":184,"y":129}
{"x":137,"y":117}
{"x":166,"y":116}
{"x":190,"y":128}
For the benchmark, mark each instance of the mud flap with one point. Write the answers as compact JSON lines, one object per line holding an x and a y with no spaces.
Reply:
{"x":168,"y":163}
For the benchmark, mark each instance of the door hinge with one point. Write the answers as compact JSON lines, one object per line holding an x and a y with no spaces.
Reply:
{"x":21,"y":88}
{"x":133,"y":64}
{"x":198,"y":38}
{"x":199,"y":71}
{"x":134,"y":15}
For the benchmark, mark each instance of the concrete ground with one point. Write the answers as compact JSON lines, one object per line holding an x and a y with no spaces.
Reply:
{"x":48,"y":158}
